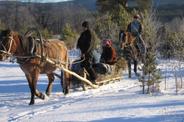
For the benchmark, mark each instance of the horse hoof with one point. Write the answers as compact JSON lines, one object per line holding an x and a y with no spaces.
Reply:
{"x":31,"y":103}
{"x":66,"y":92}
{"x":137,"y":74}
{"x":42,"y":96}
{"x":48,"y":94}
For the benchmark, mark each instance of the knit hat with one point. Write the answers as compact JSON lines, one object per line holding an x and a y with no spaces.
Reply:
{"x":85,"y":24}
{"x":137,"y":16}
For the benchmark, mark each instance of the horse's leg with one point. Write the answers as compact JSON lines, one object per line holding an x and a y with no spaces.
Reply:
{"x":35,"y":74}
{"x":66,"y":80}
{"x":83,"y":84}
{"x":66,"y":83}
{"x":66,"y":77}
{"x":49,"y":87}
{"x":129,"y":69}
{"x":62,"y":79}
{"x":135,"y":66}
{"x":29,"y":79}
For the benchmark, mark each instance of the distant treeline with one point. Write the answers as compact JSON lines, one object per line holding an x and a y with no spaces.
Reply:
{"x":51,"y":16}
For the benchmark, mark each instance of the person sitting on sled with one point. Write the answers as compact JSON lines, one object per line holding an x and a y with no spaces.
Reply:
{"x":108,"y":58}
{"x":108,"y":53}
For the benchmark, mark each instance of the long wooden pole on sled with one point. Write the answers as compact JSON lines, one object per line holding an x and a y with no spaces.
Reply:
{"x":81,"y":78}
{"x":72,"y":73}
{"x":108,"y":80}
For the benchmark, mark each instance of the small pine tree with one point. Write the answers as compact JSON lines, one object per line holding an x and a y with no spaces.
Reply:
{"x":151,"y":75}
{"x":122,"y":17}
{"x":105,"y":28}
{"x":69,"y":36}
{"x":46,"y":34}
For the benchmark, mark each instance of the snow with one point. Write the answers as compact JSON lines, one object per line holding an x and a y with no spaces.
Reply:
{"x":121,"y":101}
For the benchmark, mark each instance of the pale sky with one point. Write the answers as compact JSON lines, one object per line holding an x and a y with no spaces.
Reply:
{"x":51,"y":0}
{"x":42,"y":1}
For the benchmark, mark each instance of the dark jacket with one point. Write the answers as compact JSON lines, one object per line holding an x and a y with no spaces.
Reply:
{"x":135,"y":27}
{"x":108,"y":55}
{"x":85,"y":42}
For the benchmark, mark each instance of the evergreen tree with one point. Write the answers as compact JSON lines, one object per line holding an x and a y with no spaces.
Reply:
{"x":69,"y":36}
{"x":122,"y":17}
{"x":150,"y":30}
{"x":46,"y":34}
{"x":116,"y":9}
{"x":105,"y":6}
{"x":106,"y":28}
{"x":144,"y":4}
{"x":150,"y":75}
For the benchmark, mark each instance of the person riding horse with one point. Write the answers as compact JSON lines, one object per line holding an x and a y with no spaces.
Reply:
{"x":135,"y":28}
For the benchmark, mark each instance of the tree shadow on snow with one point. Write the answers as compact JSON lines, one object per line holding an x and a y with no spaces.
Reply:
{"x":158,"y":118}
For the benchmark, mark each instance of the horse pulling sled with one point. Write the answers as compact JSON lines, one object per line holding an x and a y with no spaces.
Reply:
{"x":38,"y":56}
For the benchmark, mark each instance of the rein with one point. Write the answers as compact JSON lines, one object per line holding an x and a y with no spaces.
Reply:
{"x":8,"y":53}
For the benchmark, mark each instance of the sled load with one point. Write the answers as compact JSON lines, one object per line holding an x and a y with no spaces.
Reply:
{"x":108,"y":69}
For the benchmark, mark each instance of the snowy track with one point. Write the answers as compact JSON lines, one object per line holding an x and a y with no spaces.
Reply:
{"x":120,"y":101}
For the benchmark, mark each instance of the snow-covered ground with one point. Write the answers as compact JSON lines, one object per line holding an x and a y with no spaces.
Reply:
{"x":121,"y":101}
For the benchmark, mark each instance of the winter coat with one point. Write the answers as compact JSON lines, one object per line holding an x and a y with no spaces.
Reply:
{"x":108,"y":55}
{"x":85,"y":42}
{"x":135,"y":28}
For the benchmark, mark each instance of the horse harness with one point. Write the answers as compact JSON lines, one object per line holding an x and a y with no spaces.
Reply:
{"x":22,"y":59}
{"x":6,"y":51}
{"x":30,"y":55}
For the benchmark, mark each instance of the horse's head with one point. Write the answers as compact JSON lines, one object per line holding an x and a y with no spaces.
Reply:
{"x":6,"y":40}
{"x":123,"y":39}
{"x":126,"y":39}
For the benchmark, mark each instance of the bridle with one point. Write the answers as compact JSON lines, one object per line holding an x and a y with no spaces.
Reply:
{"x":6,"y":50}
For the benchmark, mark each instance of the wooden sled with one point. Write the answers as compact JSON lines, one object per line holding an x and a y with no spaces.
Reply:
{"x":103,"y":77}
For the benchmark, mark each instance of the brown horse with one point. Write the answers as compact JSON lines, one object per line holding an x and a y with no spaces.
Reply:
{"x":130,"y":50}
{"x":12,"y":44}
